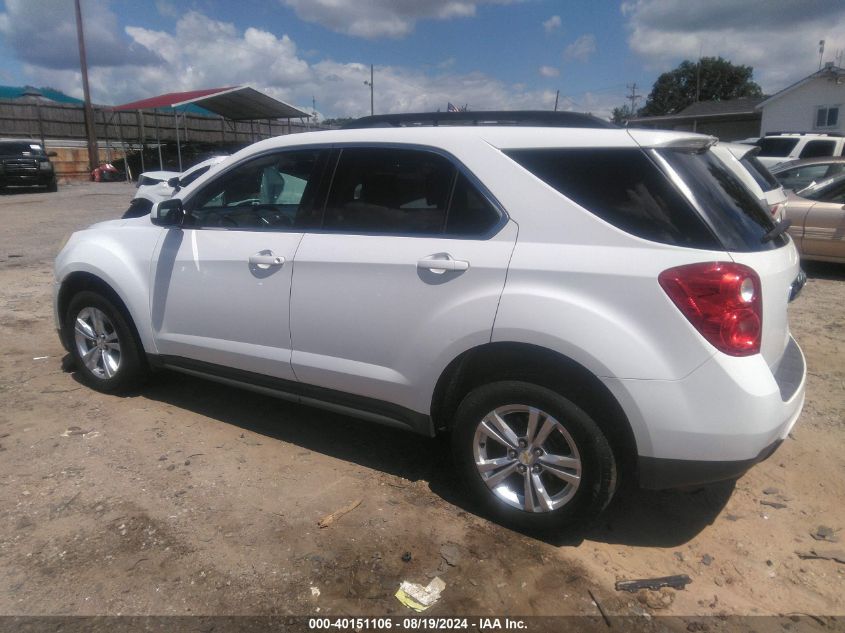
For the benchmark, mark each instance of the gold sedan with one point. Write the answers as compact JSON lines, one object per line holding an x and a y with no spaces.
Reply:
{"x":818,"y":220}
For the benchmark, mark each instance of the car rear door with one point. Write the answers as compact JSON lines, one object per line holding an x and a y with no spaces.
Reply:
{"x":409,"y":264}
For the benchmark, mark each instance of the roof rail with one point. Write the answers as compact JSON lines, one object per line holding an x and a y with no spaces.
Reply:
{"x":541,"y":118}
{"x":786,"y":132}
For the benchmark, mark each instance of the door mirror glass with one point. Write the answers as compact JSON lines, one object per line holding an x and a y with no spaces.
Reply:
{"x":167,"y":213}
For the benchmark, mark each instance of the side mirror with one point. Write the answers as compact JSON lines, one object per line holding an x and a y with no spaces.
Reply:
{"x":168,"y":213}
{"x":52,"y":154}
{"x":174,"y":183}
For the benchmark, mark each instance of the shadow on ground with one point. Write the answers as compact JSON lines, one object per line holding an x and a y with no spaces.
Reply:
{"x":636,"y":517}
{"x":824,"y":270}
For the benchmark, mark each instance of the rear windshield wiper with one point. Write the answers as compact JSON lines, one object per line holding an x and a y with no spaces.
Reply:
{"x":780,"y":229}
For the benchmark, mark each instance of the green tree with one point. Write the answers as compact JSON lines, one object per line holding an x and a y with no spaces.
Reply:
{"x":716,"y":80}
{"x":621,"y":115}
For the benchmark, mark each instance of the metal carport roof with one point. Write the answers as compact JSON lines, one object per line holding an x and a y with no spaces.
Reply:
{"x":238,"y":103}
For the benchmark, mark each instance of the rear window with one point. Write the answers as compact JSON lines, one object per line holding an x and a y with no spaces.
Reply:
{"x":776,"y":146}
{"x":758,"y":171}
{"x":626,"y":188}
{"x":623,"y":187}
{"x":736,"y":216}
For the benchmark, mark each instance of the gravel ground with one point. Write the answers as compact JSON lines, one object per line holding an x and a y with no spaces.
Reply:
{"x":194,"y":498}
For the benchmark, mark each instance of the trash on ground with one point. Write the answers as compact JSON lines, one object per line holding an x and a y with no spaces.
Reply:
{"x":675,"y":582}
{"x":40,"y":357}
{"x":315,"y":591}
{"x":406,"y":557}
{"x":824,"y":533}
{"x":327,"y":520}
{"x":74,"y":430}
{"x":417,"y":597}
{"x":824,"y":554}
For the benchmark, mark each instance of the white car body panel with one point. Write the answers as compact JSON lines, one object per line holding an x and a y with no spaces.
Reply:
{"x":161,"y":190}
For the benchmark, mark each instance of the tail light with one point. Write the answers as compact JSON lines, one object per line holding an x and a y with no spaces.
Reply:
{"x":723,"y":302}
{"x":775,"y":210}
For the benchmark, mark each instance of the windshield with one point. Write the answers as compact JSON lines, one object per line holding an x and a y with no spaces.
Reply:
{"x":20,"y":149}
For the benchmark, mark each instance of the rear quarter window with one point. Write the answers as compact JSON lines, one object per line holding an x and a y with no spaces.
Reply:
{"x":623,"y":187}
{"x":758,"y":171}
{"x":777,"y":147}
{"x":818,"y":148}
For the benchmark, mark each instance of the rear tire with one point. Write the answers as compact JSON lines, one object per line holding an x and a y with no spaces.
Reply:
{"x":102,"y":344}
{"x":532,"y":458}
{"x":53,"y":185}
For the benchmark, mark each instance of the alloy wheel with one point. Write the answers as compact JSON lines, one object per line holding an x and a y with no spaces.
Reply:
{"x":97,"y":343}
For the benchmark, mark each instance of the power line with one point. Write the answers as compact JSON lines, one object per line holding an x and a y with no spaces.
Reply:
{"x":633,"y":96}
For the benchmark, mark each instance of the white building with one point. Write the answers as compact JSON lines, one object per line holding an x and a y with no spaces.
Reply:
{"x":814,"y":104}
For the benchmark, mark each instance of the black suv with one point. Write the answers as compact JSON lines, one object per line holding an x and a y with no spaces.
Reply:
{"x":24,"y":163}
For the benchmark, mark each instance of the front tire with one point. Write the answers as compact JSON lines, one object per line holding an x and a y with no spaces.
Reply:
{"x":532,"y":458}
{"x":102,"y":344}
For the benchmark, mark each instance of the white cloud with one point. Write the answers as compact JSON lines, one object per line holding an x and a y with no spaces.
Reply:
{"x":222,"y":55}
{"x":552,"y":24}
{"x":778,"y":39}
{"x":581,"y":49}
{"x":549,"y":71}
{"x":43,"y":32}
{"x":382,"y":18}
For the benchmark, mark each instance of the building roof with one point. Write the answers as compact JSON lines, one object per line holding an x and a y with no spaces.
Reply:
{"x":829,"y":71}
{"x":727,"y":109}
{"x":238,"y":103}
{"x":32,"y":93}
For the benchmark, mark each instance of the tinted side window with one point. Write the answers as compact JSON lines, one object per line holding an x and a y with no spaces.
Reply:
{"x":758,"y":171}
{"x":273,"y":192}
{"x":470,"y":213}
{"x":776,"y":146}
{"x":623,"y":187}
{"x":386,"y":190}
{"x":187,"y":180}
{"x":818,"y":148}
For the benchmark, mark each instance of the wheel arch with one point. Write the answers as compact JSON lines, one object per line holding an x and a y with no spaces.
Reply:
{"x":81,"y":281}
{"x":531,"y":363}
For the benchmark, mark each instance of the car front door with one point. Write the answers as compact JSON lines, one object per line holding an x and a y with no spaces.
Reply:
{"x":409,"y":264}
{"x":221,"y":282}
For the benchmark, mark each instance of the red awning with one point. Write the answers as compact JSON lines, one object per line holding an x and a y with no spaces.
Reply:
{"x":238,"y":103}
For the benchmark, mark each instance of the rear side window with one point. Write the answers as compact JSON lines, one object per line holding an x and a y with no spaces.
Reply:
{"x":404,"y":191}
{"x":818,"y":148}
{"x":776,"y":146}
{"x":623,"y":187}
{"x":758,"y":171}
{"x":735,"y":215}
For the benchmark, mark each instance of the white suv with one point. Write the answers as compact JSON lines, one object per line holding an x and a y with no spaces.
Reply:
{"x":576,"y":304}
{"x":778,"y":148}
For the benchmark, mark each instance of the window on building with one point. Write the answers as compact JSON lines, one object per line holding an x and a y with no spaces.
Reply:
{"x":827,"y":116}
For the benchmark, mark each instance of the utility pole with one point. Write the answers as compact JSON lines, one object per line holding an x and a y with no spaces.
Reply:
{"x":557,"y":97}
{"x":633,"y":97}
{"x":370,"y":84}
{"x":93,"y":154}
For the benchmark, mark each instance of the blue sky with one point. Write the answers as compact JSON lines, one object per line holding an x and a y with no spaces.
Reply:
{"x":485,"y":53}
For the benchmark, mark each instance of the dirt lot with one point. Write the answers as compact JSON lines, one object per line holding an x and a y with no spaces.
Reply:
{"x":193,"y":498}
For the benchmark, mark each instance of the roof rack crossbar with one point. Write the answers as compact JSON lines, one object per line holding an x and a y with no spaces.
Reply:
{"x":544,"y":118}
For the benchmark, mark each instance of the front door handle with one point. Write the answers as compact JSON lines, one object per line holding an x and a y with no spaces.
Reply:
{"x":442,"y":262}
{"x":264,"y":261}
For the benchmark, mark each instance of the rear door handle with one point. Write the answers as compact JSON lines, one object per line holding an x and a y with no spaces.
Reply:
{"x":265,"y":261}
{"x":442,"y":262}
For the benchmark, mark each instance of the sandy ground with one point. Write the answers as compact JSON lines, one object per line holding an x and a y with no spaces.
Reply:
{"x":193,"y":498}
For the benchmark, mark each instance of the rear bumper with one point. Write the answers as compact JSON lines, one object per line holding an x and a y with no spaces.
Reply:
{"x":716,"y":423}
{"x":656,"y":473}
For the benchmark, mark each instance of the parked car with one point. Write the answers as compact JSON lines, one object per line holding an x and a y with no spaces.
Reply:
{"x":742,"y":160}
{"x":24,"y":163}
{"x":155,"y":186}
{"x":575,"y":304}
{"x":779,"y":148}
{"x":818,"y":220}
{"x":800,"y":174}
